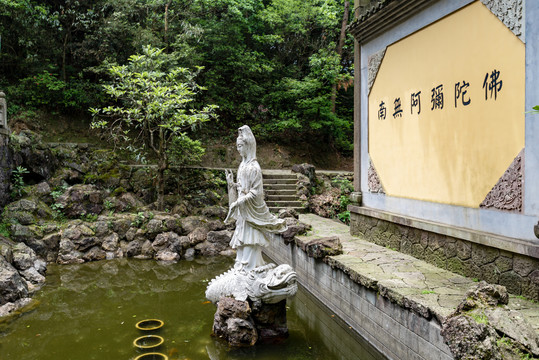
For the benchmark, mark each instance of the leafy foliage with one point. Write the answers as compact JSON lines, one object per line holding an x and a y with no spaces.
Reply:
{"x":155,"y":109}
{"x":17,"y":181}
{"x":272,"y":64}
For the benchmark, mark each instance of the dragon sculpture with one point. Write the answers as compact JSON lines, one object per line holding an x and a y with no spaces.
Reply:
{"x":267,"y":284}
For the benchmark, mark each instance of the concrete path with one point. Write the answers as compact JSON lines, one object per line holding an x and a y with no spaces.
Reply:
{"x":405,"y":280}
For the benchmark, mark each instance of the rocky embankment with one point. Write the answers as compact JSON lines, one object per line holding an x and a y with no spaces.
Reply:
{"x":72,"y":203}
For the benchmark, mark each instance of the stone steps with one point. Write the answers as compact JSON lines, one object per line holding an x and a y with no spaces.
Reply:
{"x":280,"y":189}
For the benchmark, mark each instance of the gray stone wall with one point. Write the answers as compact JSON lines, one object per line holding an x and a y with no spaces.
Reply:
{"x":5,"y":169}
{"x":396,"y":332}
{"x":518,"y":273}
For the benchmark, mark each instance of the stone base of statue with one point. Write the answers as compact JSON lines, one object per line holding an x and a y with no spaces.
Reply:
{"x":251,"y":306}
{"x":243,"y":323}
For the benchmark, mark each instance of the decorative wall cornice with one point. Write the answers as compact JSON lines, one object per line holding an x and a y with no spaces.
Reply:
{"x":507,"y":193}
{"x":510,"y":12}
{"x":375,"y":61}
{"x":375,"y":185}
{"x":381,"y":15}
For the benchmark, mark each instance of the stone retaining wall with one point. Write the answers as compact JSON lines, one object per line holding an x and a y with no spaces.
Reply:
{"x":395,"y":332}
{"x":518,"y":273}
{"x":5,"y":168}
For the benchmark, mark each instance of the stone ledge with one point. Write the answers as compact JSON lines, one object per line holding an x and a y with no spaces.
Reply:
{"x":517,"y":246}
{"x":413,"y":284}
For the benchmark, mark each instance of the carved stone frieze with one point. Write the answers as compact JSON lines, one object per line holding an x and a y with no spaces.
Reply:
{"x":507,"y":193}
{"x":375,"y":185}
{"x":374,"y":64}
{"x":510,"y":12}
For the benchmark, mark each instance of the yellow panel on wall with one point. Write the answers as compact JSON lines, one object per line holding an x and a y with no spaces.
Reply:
{"x":446,"y":111}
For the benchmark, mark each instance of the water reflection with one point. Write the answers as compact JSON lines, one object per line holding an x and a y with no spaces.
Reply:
{"x":89,"y":311}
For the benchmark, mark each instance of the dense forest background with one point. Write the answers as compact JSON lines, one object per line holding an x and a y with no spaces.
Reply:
{"x":284,"y":67}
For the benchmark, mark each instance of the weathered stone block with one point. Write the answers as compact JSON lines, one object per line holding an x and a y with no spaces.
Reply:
{"x":458,"y":265}
{"x":464,"y":249}
{"x":482,"y":255}
{"x":512,"y":281}
{"x":450,"y":248}
{"x":504,"y":262}
{"x":418,"y":251}
{"x":490,"y":273}
{"x":524,"y":265}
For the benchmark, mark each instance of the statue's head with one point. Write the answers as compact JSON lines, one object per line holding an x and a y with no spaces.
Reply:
{"x":246,"y":143}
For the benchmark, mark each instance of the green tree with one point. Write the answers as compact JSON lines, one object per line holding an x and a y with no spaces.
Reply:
{"x":156,"y":99}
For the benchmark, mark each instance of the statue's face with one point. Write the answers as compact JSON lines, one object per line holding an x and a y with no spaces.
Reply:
{"x":241,"y":148}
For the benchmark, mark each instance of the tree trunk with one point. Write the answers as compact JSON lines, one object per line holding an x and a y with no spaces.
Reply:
{"x":339,"y":48}
{"x":64,"y":50}
{"x":161,"y":187}
{"x":162,"y":165}
{"x":166,"y":24}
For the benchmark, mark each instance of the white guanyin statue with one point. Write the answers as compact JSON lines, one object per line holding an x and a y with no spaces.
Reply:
{"x":251,"y":277}
{"x":254,"y":222}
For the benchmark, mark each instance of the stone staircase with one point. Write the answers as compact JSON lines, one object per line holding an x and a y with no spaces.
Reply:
{"x":280,"y":189}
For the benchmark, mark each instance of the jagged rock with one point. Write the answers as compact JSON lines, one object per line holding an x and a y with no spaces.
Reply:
{"x":84,"y":243}
{"x":305,"y":169}
{"x":141,"y":235}
{"x":95,"y":254}
{"x":110,"y":242}
{"x":173,"y":224}
{"x":198,"y":235}
{"x":288,"y":213}
{"x":484,"y":295}
{"x":128,"y":201}
{"x":39,"y":160}
{"x":270,"y":321}
{"x":121,"y":226}
{"x":130,"y":234}
{"x":140,"y":180}
{"x":21,"y":233}
{"x":468,"y":339}
{"x":6,"y":249}
{"x":228,"y":253}
{"x":166,"y":240}
{"x":167,"y":255}
{"x":11,"y":307}
{"x":217,"y":241}
{"x":52,"y":241}
{"x":189,"y":254}
{"x":475,"y":329}
{"x":154,"y":227}
{"x":215,"y":212}
{"x":43,"y":189}
{"x":190,"y":223}
{"x":12,"y":285}
{"x":147,"y":251}
{"x":101,"y":228}
{"x":216,"y":225}
{"x":324,"y":204}
{"x":222,"y":237}
{"x":23,"y":256}
{"x":320,"y":248}
{"x":511,"y":323}
{"x":232,"y":322}
{"x":33,"y":276}
{"x":79,"y":200}
{"x":72,"y":233}
{"x":294,"y":227}
{"x":67,"y":253}
{"x":134,"y":248}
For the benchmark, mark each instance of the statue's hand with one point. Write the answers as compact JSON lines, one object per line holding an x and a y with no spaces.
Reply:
{"x":229,"y":177}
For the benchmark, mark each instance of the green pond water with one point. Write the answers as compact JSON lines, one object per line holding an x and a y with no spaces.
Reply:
{"x":89,"y":311}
